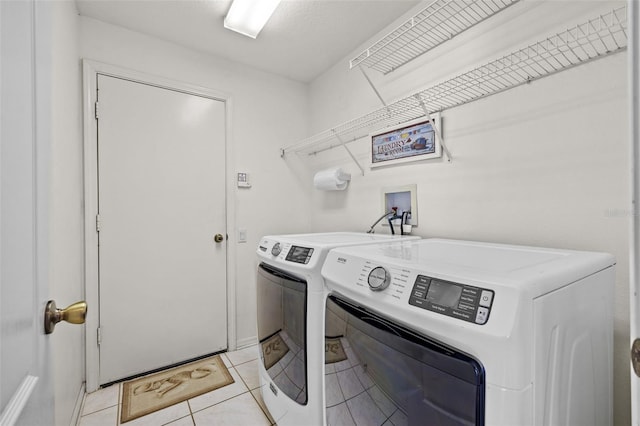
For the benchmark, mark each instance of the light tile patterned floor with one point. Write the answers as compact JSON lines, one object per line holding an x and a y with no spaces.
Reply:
{"x":354,"y":399}
{"x":237,"y":404}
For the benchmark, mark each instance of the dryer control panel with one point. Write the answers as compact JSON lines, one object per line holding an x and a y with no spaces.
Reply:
{"x":465,"y":302}
{"x":286,"y":251}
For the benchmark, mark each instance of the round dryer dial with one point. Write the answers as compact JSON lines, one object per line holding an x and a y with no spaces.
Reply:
{"x":276,"y":249}
{"x":379,"y":279}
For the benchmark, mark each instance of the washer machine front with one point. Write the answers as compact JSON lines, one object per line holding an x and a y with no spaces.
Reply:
{"x":291,"y":299}
{"x":466,"y":333}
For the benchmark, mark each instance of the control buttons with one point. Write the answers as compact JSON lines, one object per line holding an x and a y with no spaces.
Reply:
{"x":455,"y":300}
{"x":420,"y":288}
{"x":276,"y":249}
{"x":379,"y":279}
{"x":420,"y":294}
{"x":481,"y":316}
{"x":485,"y":298}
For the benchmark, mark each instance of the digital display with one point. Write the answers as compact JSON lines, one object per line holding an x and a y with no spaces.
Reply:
{"x":444,"y":293}
{"x":461,"y":301}
{"x":299,"y":254}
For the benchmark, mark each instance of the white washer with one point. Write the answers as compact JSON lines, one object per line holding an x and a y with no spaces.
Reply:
{"x":290,"y":303}
{"x":463,"y":333}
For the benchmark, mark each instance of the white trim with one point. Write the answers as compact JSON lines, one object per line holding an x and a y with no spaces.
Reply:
{"x":633,"y":57}
{"x":14,"y":408}
{"x":231,"y":226}
{"x":77,"y":409}
{"x":91,"y":69}
{"x":90,"y":237}
{"x":246,"y":342}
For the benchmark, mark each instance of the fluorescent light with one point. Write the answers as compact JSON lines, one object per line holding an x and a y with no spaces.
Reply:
{"x":249,"y":16}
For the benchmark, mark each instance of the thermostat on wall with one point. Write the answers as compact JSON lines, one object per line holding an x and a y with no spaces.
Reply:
{"x":243,"y":180}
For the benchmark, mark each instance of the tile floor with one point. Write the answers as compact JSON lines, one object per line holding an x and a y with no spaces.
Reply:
{"x":354,"y":399}
{"x":289,"y":372}
{"x":237,"y":404}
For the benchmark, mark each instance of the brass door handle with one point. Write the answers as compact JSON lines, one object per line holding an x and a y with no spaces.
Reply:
{"x":218,"y":238}
{"x":74,"y":314}
{"x":635,"y":356}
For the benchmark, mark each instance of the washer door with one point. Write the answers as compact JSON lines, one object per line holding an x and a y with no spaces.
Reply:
{"x":282,"y":324}
{"x":389,"y":372}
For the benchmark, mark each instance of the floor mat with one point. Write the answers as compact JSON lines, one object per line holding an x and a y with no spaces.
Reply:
{"x":333,"y":350}
{"x":273,"y":349}
{"x":147,"y":394}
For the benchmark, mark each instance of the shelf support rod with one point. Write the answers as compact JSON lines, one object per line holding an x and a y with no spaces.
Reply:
{"x":348,"y":150}
{"x":373,"y":87}
{"x":435,"y":127}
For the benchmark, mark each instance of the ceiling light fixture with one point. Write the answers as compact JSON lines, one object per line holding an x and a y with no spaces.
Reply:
{"x":247,"y":17}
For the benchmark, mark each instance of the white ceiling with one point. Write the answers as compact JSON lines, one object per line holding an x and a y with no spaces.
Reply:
{"x":302,"y":39}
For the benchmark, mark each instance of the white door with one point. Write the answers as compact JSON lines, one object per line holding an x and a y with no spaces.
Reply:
{"x":161,"y":201}
{"x":26,"y":396}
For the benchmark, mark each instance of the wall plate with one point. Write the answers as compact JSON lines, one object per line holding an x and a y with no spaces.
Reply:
{"x":404,"y":198}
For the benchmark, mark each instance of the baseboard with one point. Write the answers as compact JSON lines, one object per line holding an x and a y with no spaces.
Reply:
{"x":77,"y":409}
{"x":18,"y":401}
{"x":246,"y":342}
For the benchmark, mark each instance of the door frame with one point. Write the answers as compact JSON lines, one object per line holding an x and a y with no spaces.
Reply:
{"x":91,"y":69}
{"x":633,"y":56}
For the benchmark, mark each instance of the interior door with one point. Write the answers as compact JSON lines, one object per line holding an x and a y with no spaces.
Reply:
{"x":26,"y":396}
{"x":161,"y":190}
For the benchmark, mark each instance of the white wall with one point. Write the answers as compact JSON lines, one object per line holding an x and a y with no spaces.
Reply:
{"x":543,"y":164}
{"x":66,"y":209}
{"x":267,"y":109}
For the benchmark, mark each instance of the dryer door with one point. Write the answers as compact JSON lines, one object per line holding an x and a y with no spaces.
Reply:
{"x":391,"y":373}
{"x":282,"y":324}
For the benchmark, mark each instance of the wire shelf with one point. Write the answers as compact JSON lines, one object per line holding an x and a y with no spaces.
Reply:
{"x":596,"y":38}
{"x":438,"y":22}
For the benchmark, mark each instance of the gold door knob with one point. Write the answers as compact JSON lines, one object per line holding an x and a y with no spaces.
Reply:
{"x":218,"y":238}
{"x":74,"y":314}
{"x":635,"y":356}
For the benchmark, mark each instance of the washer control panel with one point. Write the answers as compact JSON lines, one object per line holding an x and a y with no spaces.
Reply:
{"x":465,"y":302}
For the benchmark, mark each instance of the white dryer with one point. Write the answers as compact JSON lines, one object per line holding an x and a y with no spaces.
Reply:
{"x":290,"y":310}
{"x":450,"y":332}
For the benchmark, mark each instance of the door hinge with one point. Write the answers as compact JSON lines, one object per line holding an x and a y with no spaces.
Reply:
{"x":96,"y":109}
{"x":99,"y":335}
{"x":98,"y":223}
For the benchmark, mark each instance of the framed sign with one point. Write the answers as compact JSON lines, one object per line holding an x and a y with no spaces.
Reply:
{"x":411,"y":141}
